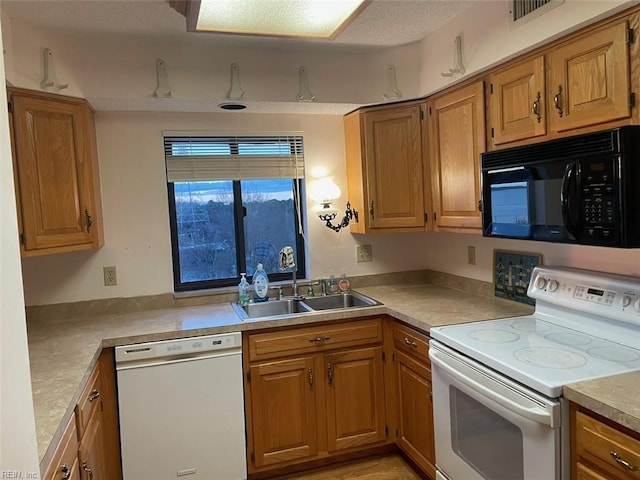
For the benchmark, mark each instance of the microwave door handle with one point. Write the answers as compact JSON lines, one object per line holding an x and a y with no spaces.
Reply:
{"x":569,"y":199}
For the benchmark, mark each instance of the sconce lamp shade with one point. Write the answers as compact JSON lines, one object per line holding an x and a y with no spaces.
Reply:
{"x":324,"y":191}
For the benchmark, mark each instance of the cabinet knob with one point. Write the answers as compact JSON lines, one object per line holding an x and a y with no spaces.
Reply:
{"x":535,"y":108}
{"x":624,"y":463}
{"x":89,"y":220}
{"x":557,"y":99}
{"x":371,"y":210}
{"x":330,"y":374}
{"x":86,"y":468}
{"x":66,"y":471}
{"x":93,"y":395}
{"x":310,"y":373}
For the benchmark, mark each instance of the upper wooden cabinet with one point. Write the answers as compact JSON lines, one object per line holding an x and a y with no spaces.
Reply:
{"x":384,"y":156}
{"x":457,"y":138}
{"x":587,"y":85}
{"x":56,"y":172}
{"x":589,"y":79}
{"x":516,"y":102}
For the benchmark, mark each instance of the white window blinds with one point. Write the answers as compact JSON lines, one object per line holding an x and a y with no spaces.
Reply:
{"x":193,"y":158}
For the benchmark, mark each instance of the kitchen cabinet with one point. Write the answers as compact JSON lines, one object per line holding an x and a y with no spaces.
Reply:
{"x":602,"y":449}
{"x":56,"y":172}
{"x":589,"y":79}
{"x":313,"y":392}
{"x":89,"y":448}
{"x":384,"y":157}
{"x":587,"y":85}
{"x":412,"y":375}
{"x":456,"y":139}
{"x":516,"y":102}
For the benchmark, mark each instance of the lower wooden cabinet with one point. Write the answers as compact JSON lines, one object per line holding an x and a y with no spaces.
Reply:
{"x":414,"y":405}
{"x":602,"y":449}
{"x":322,"y":398}
{"x":89,"y":448}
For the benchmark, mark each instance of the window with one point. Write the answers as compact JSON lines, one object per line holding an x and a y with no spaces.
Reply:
{"x":234,"y":202}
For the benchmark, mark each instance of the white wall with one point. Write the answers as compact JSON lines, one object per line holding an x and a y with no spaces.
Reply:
{"x":134,"y":194}
{"x":489,"y":37}
{"x":18,"y":451}
{"x":135,"y":204}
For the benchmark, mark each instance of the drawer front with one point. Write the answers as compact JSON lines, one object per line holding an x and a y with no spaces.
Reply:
{"x":607,"y":447}
{"x":89,"y":400}
{"x":64,"y":464}
{"x":411,"y":342}
{"x":314,"y":339}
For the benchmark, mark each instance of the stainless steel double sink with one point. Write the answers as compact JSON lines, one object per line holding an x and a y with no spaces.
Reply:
{"x":302,"y":305}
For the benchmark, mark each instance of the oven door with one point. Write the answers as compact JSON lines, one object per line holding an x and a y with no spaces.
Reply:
{"x":488,"y":427}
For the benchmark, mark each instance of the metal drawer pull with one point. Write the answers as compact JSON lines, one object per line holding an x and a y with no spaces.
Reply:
{"x":310,"y":372}
{"x":89,"y":220}
{"x":319,"y":339}
{"x":556,"y":101}
{"x":330,"y":374}
{"x":535,"y":108}
{"x":86,"y":468}
{"x":94,"y":395}
{"x":66,"y":470}
{"x":624,"y":463}
{"x":410,"y":342}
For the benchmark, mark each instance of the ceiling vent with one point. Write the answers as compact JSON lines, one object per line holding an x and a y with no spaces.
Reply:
{"x":522,"y":11}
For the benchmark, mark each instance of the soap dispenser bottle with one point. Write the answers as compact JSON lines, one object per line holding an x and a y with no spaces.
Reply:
{"x":260,"y":285}
{"x":243,"y":290}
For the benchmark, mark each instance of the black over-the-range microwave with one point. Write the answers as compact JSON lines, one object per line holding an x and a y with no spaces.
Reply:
{"x":583,"y":189}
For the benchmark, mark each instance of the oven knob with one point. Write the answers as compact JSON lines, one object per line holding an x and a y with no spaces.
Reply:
{"x":541,"y":283}
{"x":553,"y":285}
{"x":626,"y":301}
{"x":636,"y":306}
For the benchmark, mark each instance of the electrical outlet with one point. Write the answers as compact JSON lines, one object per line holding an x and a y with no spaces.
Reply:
{"x":110,"y":277}
{"x":364,"y":253}
{"x":471,"y":255}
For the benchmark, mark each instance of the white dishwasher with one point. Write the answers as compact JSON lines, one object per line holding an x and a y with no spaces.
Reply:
{"x":181,"y":407}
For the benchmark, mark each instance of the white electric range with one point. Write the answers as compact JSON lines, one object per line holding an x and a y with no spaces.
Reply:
{"x":497,"y":384}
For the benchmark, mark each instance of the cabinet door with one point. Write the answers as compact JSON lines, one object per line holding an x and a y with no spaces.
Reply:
{"x":517,"y":102}
{"x":457,"y":135}
{"x":354,"y":398}
{"x":55,"y":172}
{"x":582,"y":472}
{"x":589,"y":80}
{"x":415,"y":412}
{"x":393,"y":152}
{"x":91,"y":451}
{"x":283,"y":407}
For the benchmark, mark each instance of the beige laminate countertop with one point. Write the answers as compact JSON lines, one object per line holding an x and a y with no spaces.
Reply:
{"x":614,"y":397}
{"x":62,"y":352}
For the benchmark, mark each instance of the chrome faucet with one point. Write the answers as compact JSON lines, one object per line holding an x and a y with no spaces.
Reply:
{"x":287,"y":261}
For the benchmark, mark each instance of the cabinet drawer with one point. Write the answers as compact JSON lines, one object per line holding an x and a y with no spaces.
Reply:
{"x":412,"y":342}
{"x":65,"y":458}
{"x":603,"y":444}
{"x":314,"y":339}
{"x":89,"y":400}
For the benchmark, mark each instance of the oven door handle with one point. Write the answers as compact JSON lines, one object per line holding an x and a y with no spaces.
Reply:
{"x":537,"y":415}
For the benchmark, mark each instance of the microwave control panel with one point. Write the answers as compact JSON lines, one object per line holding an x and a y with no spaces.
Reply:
{"x":598,"y":200}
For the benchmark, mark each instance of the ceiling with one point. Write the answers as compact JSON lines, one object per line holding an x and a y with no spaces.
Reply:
{"x":384,"y":23}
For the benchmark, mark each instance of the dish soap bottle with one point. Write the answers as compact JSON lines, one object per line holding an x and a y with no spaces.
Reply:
{"x":260,"y":285}
{"x":243,"y":291}
{"x":333,"y":285}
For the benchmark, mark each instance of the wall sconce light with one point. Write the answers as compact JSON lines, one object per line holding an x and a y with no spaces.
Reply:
{"x":324,"y":192}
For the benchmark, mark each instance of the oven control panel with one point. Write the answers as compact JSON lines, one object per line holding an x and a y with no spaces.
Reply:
{"x":608,"y":295}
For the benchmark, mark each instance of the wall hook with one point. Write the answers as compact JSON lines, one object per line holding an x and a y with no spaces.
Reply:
{"x":304,"y":93}
{"x":48,"y":82}
{"x":458,"y":67}
{"x":163,"y":89}
{"x":392,"y":93}
{"x":235,"y":91}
